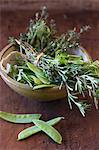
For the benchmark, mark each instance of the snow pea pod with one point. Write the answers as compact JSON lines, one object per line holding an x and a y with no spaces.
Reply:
{"x":43,"y":86}
{"x":34,"y":129}
{"x":36,"y":80}
{"x":18,"y":118}
{"x":35,"y":69}
{"x":38,"y":72}
{"x":43,"y":79}
{"x":49,"y":130}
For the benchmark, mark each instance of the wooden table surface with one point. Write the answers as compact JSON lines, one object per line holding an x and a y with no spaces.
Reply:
{"x":78,"y":133}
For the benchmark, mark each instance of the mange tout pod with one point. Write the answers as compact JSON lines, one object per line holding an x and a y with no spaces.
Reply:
{"x":7,"y":55}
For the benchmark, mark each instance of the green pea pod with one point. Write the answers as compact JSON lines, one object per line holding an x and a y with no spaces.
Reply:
{"x":36,"y":80}
{"x":49,"y":130}
{"x":34,"y":129}
{"x":35,"y":69}
{"x":38,"y":72}
{"x":43,"y":79}
{"x":18,"y":118}
{"x":43,"y":86}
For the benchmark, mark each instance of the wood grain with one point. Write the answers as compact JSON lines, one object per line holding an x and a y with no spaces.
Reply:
{"x":67,"y":5}
{"x":78,"y":133}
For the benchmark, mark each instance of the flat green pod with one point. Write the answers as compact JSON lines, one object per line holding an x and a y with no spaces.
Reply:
{"x":49,"y":130}
{"x":38,"y":72}
{"x":34,"y":129}
{"x":18,"y":118}
{"x":43,"y":86}
{"x":36,"y":80}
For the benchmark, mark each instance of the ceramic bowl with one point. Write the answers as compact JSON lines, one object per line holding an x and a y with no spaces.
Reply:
{"x":45,"y":94}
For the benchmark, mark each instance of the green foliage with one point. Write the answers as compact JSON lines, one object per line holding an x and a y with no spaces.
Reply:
{"x":48,"y":61}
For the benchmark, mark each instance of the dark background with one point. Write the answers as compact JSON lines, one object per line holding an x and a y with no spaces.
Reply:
{"x":78,"y":133}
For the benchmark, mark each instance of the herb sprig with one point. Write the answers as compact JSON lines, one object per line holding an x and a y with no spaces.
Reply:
{"x":49,"y":60}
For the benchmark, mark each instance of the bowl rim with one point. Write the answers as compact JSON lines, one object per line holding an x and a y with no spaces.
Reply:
{"x":3,"y":51}
{"x":12,"y":81}
{"x":18,"y":84}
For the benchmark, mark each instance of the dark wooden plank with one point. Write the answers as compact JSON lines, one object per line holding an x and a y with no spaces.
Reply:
{"x":68,"y":5}
{"x":78,"y":133}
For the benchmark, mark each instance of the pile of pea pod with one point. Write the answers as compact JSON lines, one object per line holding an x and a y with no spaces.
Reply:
{"x":39,"y":125}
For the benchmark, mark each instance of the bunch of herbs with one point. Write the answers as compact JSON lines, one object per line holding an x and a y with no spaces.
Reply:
{"x":48,"y":61}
